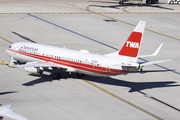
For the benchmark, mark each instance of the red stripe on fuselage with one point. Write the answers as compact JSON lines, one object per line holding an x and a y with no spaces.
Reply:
{"x":76,"y":65}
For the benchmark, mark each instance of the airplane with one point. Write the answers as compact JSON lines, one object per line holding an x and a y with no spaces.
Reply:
{"x":41,"y":57}
{"x":6,"y":112}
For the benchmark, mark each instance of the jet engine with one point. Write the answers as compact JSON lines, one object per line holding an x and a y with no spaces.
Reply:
{"x":34,"y":70}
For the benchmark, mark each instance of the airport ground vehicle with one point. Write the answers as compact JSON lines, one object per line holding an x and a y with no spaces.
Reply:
{"x":121,"y":2}
{"x":173,"y":1}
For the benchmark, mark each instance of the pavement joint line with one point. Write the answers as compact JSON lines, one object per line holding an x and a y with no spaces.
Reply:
{"x":123,"y":100}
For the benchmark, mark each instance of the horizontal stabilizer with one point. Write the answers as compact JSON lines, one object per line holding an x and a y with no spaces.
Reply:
{"x":154,"y":62}
{"x":154,"y":54}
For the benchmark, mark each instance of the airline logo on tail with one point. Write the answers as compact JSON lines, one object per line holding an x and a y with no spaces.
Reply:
{"x":132,"y":44}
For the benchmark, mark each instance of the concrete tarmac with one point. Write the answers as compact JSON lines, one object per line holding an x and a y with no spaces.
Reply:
{"x":100,"y":27}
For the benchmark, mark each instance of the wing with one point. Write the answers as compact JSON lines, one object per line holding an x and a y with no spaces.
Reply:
{"x":12,"y":115}
{"x":36,"y":64}
{"x":46,"y":64}
{"x":5,"y":111}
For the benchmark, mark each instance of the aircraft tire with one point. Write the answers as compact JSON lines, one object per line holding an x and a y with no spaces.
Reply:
{"x":18,"y":62}
{"x":139,"y":4}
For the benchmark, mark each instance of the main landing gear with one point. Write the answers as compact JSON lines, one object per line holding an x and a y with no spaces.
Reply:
{"x":121,"y":2}
{"x":56,"y":75}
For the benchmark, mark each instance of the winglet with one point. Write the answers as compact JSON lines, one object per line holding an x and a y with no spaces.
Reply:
{"x":154,"y":54}
{"x":157,"y":50}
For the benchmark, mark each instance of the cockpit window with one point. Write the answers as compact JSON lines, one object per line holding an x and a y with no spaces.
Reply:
{"x":9,"y":46}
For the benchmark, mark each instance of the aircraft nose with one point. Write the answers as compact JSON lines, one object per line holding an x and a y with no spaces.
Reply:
{"x":8,"y":51}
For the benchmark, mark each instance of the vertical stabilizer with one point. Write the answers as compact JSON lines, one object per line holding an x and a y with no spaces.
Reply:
{"x":132,"y":45}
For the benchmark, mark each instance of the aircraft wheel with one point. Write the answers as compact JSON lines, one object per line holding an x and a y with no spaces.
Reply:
{"x":139,"y":4}
{"x":18,"y":62}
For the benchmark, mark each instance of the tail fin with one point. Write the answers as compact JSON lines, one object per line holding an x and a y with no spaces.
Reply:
{"x":132,"y":46}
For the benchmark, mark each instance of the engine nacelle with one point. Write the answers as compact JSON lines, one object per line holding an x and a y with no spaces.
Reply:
{"x":34,"y":70}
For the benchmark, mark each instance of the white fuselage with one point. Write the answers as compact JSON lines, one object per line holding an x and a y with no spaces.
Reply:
{"x":76,"y":61}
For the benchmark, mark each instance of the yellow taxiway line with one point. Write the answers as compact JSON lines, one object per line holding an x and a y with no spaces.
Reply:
{"x":130,"y":23}
{"x":6,"y":40}
{"x":5,"y":63}
{"x":123,"y":100}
